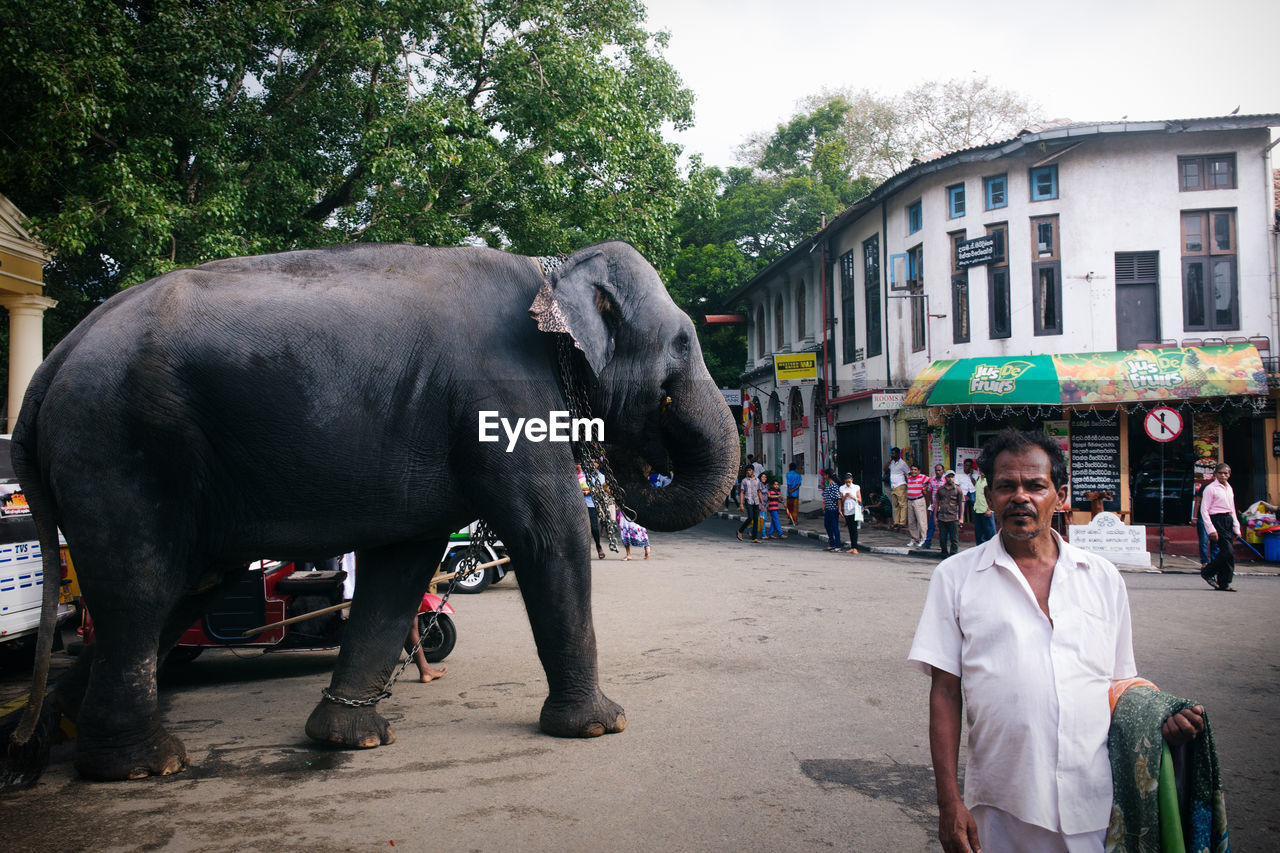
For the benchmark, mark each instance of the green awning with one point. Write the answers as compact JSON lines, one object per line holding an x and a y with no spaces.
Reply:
{"x":1092,"y":378}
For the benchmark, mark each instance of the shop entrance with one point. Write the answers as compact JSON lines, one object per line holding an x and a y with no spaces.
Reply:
{"x":1244,"y":448}
{"x":858,"y":450}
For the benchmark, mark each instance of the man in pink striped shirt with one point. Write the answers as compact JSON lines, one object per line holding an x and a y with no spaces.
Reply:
{"x":1218,"y":511}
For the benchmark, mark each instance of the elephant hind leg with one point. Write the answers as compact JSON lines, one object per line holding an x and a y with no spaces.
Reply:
{"x":111,"y":691}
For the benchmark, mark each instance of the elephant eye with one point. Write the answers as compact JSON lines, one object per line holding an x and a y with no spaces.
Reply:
{"x":681,"y":344}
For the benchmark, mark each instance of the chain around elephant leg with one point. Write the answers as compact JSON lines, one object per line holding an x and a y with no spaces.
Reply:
{"x":361,"y":727}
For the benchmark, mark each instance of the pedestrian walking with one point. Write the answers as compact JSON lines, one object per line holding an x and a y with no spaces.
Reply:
{"x":1218,"y":510}
{"x":632,"y":534}
{"x":1208,"y":548}
{"x":967,"y":481}
{"x":851,"y":510}
{"x":984,"y":522}
{"x":948,"y":507}
{"x":1027,"y":634}
{"x":917,"y":506}
{"x":935,"y":482}
{"x":774,"y":492}
{"x":749,"y":501}
{"x":896,"y":471}
{"x":585,"y":482}
{"x":794,"y":480}
{"x":831,"y":510}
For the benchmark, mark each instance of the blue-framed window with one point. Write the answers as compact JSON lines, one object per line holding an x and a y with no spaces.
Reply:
{"x":955,"y":201}
{"x":1044,"y":183}
{"x":915,"y":218}
{"x":997,"y":190}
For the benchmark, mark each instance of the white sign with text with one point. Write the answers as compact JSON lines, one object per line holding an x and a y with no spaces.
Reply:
{"x":1109,"y":537}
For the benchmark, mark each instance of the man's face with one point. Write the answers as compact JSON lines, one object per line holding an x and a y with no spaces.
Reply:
{"x":968,"y":465}
{"x":937,"y":470}
{"x":1222,"y":476}
{"x":1022,"y":493}
{"x":895,"y":453}
{"x":915,"y":471}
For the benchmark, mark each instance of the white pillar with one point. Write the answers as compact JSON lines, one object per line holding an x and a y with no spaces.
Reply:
{"x":26,"y":345}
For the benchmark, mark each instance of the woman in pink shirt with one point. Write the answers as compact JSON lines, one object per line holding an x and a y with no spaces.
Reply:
{"x":1218,"y":510}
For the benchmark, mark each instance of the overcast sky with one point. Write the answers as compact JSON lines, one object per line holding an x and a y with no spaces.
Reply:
{"x":750,"y":61}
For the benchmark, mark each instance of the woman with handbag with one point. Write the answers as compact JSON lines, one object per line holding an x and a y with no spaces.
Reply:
{"x":851,"y":509}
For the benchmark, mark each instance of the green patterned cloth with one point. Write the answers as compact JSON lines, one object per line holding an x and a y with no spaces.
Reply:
{"x":1145,"y":817}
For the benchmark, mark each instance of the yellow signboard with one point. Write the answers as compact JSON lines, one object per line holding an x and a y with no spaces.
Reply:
{"x":796,"y":369}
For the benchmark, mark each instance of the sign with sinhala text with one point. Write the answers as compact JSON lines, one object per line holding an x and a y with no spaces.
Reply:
{"x":979,"y":250}
{"x":796,"y":369}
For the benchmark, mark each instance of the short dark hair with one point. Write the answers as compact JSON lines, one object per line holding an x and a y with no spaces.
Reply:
{"x":1018,"y":440}
{"x":792,"y":466}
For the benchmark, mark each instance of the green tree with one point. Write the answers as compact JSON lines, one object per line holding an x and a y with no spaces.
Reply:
{"x":836,"y":148}
{"x":143,"y":135}
{"x":883,"y":135}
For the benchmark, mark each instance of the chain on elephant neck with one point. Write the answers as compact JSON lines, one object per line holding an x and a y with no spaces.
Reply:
{"x":605,"y":490}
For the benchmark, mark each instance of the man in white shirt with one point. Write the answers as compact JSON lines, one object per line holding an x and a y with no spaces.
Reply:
{"x":898,"y":469}
{"x":1035,"y":630}
{"x":966,"y":478}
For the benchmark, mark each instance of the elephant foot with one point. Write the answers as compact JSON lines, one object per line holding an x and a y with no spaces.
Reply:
{"x":362,"y":728}
{"x":157,"y":753}
{"x":594,"y":717}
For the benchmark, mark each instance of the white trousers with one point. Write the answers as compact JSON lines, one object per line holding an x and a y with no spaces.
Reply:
{"x":1001,"y":832}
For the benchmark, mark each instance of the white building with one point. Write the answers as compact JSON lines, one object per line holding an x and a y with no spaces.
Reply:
{"x":1106,"y":238}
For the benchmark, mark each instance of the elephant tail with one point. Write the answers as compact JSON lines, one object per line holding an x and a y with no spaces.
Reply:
{"x":27,"y":745}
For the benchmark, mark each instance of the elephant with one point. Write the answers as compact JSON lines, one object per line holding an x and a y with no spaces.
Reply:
{"x":317,"y":402}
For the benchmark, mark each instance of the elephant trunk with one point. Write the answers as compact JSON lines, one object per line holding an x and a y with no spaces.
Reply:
{"x":700,"y":442}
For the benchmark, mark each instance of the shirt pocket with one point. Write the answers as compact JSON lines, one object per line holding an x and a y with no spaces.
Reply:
{"x":1091,"y":638}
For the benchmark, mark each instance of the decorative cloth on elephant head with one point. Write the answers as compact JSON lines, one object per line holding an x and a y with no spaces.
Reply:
{"x":575,"y":299}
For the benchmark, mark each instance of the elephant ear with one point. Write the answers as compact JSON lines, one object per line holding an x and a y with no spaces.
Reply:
{"x":578,"y":300}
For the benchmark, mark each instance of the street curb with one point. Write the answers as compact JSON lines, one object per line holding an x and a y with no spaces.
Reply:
{"x":920,"y":553}
{"x":821,"y":537}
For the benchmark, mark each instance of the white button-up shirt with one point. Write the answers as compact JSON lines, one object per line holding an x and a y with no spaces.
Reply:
{"x":1035,"y":692}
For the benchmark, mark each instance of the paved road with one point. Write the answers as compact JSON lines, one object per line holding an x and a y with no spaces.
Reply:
{"x":769,"y":708}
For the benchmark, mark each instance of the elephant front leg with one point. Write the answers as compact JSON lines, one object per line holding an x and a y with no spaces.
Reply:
{"x":390,"y":585}
{"x":557,"y":594}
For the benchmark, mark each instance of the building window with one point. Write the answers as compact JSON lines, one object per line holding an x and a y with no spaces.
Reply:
{"x":1046,"y":275}
{"x":915,"y":267}
{"x":1047,"y":279}
{"x":997,"y":190}
{"x":1210,"y":289}
{"x":959,"y":293}
{"x":1207,"y":172}
{"x":848,"y":304}
{"x":999,"y":315}
{"x":1044,"y":238}
{"x":915,"y":218}
{"x":871,"y":288}
{"x":1044,"y":183}
{"x":761,"y":349}
{"x":955,"y":201}
{"x":800,"y":330}
{"x":915,"y":286}
{"x":778,"y":336}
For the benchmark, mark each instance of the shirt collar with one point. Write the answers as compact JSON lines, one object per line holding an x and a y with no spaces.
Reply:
{"x":1068,"y":554}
